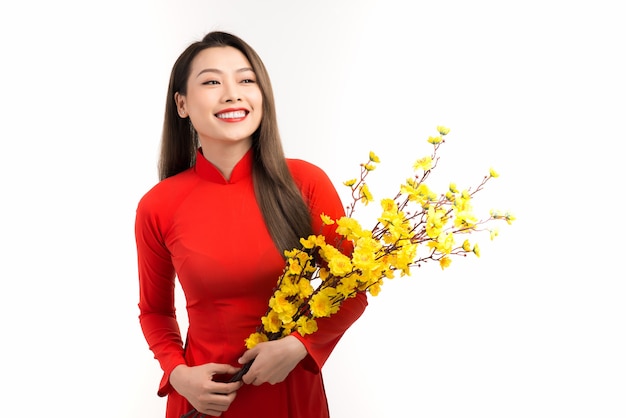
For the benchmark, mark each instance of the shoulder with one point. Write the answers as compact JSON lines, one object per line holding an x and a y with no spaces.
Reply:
{"x":167,"y":193}
{"x":312,"y":180}
{"x":305,"y":172}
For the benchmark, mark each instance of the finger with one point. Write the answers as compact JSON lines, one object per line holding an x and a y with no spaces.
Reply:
{"x":248,"y":356}
{"x":224,"y":369}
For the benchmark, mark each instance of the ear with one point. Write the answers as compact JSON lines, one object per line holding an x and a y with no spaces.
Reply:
{"x":181,"y":105}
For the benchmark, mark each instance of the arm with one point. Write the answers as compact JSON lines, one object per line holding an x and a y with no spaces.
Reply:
{"x":156,"y":294}
{"x":275,"y":359}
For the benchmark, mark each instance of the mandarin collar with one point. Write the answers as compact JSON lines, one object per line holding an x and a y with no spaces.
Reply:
{"x":206,"y":170}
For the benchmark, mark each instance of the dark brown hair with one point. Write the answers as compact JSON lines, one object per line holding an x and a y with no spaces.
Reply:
{"x":286,"y":215}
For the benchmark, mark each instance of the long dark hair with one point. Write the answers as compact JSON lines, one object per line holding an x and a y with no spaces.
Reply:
{"x":286,"y":215}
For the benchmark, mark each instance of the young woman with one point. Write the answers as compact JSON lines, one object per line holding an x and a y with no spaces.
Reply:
{"x":227,"y":205}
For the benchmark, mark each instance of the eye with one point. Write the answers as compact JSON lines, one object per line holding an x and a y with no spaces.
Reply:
{"x":210,"y":83}
{"x":248,"y":81}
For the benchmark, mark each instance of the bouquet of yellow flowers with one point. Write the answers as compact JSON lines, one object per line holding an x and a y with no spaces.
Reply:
{"x":415,"y":226}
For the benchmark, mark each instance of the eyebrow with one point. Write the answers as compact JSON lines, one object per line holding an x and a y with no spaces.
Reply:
{"x":215,"y":70}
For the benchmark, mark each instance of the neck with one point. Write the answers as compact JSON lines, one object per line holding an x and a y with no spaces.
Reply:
{"x":225,"y":156}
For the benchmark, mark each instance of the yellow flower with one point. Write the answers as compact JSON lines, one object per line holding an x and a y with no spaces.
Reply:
{"x":465,"y":220}
{"x":368,"y":166}
{"x":364,"y":255}
{"x":350,"y":182}
{"x":493,"y":173}
{"x":351,"y":229}
{"x":321,"y":303}
{"x":445,"y":262}
{"x":373,"y":157}
{"x":311,"y":242}
{"x":509,"y":218}
{"x":467,"y":246}
{"x":435,"y":140}
{"x":339,"y":264}
{"x":280,"y":302}
{"x":476,"y":250}
{"x":306,"y":325}
{"x":443,"y":130}
{"x":366,"y":195}
{"x":389,"y":205}
{"x":254,"y":339}
{"x":347,"y":286}
{"x":424,"y":163}
{"x":305,"y":288}
{"x":453,"y":188}
{"x":327,"y":220}
{"x":493,"y":233}
{"x":288,"y":287}
{"x":374,"y":289}
{"x":271,"y":322}
{"x":435,"y":221}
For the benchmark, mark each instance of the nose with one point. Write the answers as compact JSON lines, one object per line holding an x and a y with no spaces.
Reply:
{"x":231,"y":92}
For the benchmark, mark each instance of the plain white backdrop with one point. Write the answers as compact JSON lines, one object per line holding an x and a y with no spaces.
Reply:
{"x":536,"y":327}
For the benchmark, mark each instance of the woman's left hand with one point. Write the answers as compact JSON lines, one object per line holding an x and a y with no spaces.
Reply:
{"x":273,"y":360}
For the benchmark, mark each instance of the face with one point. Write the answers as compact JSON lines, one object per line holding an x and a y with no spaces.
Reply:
{"x":223,"y":100}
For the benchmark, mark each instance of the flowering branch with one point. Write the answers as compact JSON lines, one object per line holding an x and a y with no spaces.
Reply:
{"x":414,"y":227}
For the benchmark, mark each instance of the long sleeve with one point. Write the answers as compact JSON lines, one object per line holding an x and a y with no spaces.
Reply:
{"x":322,"y":197}
{"x":156,"y":294}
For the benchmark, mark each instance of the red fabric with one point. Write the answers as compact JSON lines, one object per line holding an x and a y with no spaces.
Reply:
{"x":210,"y":233}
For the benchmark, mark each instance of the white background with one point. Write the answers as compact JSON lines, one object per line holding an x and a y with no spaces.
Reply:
{"x":534,"y":328}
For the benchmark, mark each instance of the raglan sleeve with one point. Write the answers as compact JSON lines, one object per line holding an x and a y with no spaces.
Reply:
{"x":322,"y":197}
{"x":157,"y":313}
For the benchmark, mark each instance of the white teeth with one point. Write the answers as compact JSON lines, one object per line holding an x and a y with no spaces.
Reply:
{"x":232,"y":115}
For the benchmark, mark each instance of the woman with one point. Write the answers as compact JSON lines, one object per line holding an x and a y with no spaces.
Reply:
{"x":227,"y":206}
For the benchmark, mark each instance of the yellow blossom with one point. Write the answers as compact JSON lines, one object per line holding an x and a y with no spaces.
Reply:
{"x":339,"y":264}
{"x":311,"y":242}
{"x":435,"y":140}
{"x":351,"y":228}
{"x":255,"y":339}
{"x":424,"y":163}
{"x":364,"y":255}
{"x":443,"y":130}
{"x":280,"y":302}
{"x":388,"y":205}
{"x":493,"y":173}
{"x":306,"y":325}
{"x":350,"y":182}
{"x":368,"y":167}
{"x":271,"y":322}
{"x":509,"y":218}
{"x":476,"y":250}
{"x":374,"y":289}
{"x":445,"y":262}
{"x":366,"y":195}
{"x":467,"y":246}
{"x":347,"y":286}
{"x":326,"y":220}
{"x":323,"y":274}
{"x":288,"y":287}
{"x":321,"y":303}
{"x":435,"y":222}
{"x":465,"y":219}
{"x":373,"y":157}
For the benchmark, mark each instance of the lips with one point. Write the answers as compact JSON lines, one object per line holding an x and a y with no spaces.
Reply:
{"x":232,"y":115}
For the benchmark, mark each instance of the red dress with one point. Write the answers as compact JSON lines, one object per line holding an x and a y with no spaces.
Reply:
{"x":210,"y":233}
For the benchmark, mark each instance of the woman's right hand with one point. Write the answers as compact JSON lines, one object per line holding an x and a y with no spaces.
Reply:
{"x":196,"y":384}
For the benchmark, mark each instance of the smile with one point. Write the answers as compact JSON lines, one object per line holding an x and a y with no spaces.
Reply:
{"x":232,"y":115}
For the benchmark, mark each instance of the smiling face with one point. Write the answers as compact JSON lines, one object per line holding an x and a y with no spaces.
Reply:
{"x":223,"y":99}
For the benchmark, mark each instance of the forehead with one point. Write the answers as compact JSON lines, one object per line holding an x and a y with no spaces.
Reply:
{"x":221,"y":58}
